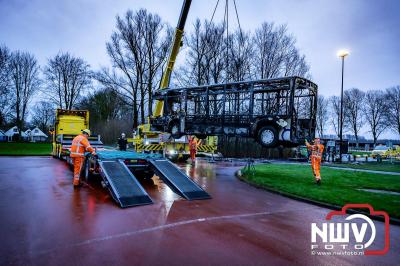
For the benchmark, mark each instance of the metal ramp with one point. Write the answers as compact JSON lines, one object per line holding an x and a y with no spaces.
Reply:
{"x":178,"y":181}
{"x":123,"y":185}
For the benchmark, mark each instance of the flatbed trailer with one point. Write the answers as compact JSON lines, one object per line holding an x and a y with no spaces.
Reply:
{"x":120,"y":172}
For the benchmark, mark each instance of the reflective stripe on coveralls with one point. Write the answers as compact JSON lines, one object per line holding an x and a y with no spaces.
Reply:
{"x":193,"y":149}
{"x":78,"y":164}
{"x":316,"y":155}
{"x":80,"y":144}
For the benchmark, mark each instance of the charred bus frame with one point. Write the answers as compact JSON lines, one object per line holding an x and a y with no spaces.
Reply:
{"x":273,"y":111}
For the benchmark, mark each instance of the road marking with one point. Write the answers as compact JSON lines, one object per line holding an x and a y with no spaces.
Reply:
{"x":162,"y":227}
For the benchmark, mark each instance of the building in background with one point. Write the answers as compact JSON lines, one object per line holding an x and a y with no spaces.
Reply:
{"x":36,"y":135}
{"x":33,"y":135}
{"x":13,"y":134}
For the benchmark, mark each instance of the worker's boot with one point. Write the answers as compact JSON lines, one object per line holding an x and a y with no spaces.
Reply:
{"x":77,"y":183}
{"x":318,"y":181}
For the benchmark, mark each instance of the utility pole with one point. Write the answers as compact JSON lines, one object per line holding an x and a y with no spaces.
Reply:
{"x":342,"y":54}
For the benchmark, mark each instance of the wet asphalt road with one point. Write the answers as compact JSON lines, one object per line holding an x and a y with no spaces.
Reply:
{"x":44,"y":221}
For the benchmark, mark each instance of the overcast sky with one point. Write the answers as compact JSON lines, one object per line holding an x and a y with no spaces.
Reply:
{"x":370,"y":29}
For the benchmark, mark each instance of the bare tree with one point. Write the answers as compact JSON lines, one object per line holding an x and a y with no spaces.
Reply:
{"x":240,"y":51}
{"x":354,"y":116}
{"x":375,"y":112}
{"x":137,"y":50}
{"x":104,"y":105}
{"x":322,"y":114}
{"x":24,"y":83}
{"x":213,"y":57}
{"x":5,"y":90}
{"x":43,"y":115}
{"x":393,"y":108}
{"x":108,"y":114}
{"x":203,"y":62}
{"x":275,"y":53}
{"x":335,"y":113}
{"x":66,"y":78}
{"x":215,"y":62}
{"x":156,"y":51}
{"x":295,"y":64}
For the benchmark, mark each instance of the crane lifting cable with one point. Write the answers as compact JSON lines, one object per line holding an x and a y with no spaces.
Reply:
{"x":238,"y":20}
{"x":226,"y":28}
{"x":215,"y":9}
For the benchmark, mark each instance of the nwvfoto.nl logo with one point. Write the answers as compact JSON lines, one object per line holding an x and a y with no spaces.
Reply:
{"x":353,"y":236}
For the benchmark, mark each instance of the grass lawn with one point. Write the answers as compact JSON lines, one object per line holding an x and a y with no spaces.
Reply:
{"x":339,"y":187}
{"x":383,"y":166}
{"x":24,"y":148}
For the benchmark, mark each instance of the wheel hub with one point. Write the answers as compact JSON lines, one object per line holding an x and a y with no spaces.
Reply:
{"x":267,"y":136}
{"x":174,"y":129}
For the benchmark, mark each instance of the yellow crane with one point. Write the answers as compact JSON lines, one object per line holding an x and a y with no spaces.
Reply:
{"x":147,"y":140}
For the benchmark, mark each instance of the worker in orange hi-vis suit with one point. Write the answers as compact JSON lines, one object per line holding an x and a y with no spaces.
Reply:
{"x":80,"y":144}
{"x":193,"y":148}
{"x":316,"y":155}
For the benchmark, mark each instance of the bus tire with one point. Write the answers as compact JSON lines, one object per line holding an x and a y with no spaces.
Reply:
{"x":268,"y":136}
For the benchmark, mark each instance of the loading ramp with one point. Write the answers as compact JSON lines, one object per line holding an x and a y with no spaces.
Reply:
{"x":177,"y":180}
{"x":123,"y":185}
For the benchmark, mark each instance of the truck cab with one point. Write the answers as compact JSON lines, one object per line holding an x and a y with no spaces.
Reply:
{"x":68,"y":124}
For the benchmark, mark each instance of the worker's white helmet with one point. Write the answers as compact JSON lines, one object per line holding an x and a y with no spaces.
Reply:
{"x":123,"y":135}
{"x":86,"y":131}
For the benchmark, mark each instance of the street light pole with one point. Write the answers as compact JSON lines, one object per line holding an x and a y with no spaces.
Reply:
{"x":342,"y":54}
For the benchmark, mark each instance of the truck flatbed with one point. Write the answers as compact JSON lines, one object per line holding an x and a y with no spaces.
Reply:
{"x":125,"y":155}
{"x":120,"y":171}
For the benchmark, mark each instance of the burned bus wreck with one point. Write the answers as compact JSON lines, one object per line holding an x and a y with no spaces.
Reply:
{"x":272,"y":111}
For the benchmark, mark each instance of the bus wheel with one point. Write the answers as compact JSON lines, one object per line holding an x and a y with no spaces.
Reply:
{"x":268,"y":136}
{"x":174,"y":129}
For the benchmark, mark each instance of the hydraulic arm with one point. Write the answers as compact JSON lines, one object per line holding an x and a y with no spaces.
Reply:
{"x":165,"y":80}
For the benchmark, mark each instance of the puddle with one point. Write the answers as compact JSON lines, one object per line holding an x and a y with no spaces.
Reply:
{"x":381,"y":191}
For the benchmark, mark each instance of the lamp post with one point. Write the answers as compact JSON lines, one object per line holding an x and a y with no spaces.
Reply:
{"x":342,"y":54}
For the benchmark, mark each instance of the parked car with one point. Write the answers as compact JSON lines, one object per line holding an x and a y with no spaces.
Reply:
{"x":394,"y":152}
{"x":380,"y":151}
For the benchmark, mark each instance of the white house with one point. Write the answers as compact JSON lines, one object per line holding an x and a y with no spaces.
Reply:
{"x":13,"y":133}
{"x":28,"y":132}
{"x":35,"y":135}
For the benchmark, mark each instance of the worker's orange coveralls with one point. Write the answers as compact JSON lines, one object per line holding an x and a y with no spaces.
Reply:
{"x":316,"y":156}
{"x":80,"y":144}
{"x":193,"y":148}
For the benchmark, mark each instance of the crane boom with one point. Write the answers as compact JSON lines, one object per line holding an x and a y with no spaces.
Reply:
{"x":165,"y":80}
{"x":150,"y":141}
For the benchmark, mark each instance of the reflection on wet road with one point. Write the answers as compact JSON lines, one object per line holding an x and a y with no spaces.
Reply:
{"x":45,"y":221}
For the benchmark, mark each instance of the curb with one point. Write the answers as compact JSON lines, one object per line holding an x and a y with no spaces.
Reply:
{"x":239,"y":175}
